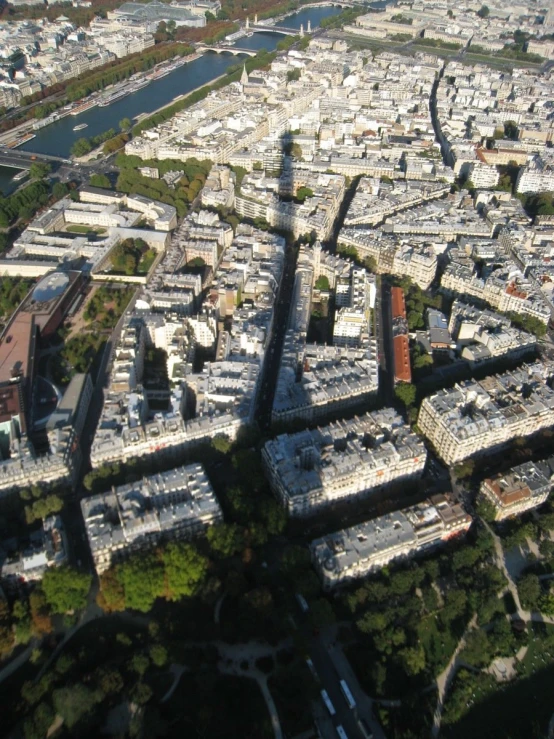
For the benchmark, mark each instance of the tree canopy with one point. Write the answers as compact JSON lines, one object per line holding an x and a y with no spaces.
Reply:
{"x":65,"y":589}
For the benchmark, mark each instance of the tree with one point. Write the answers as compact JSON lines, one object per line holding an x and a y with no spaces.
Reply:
{"x":464,"y":469}
{"x":185,"y":570}
{"x":38,"y":725}
{"x":485,"y":509}
{"x":74,"y":702}
{"x":370,"y":263}
{"x":142,"y":577}
{"x":477,"y":650}
{"x":139,"y":663}
{"x":60,"y":190}
{"x":372,"y":621}
{"x":100,"y":180}
{"x":296,"y":151}
{"x":125,"y":124}
{"x":141,"y":693}
{"x":405,"y":392}
{"x":40,"y":615}
{"x":295,"y":558}
{"x":111,"y":596}
{"x":322,"y":283}
{"x":546,"y":604}
{"x":413,"y":659}
{"x":225,"y":539}
{"x":348,"y":251}
{"x":304,"y":192}
{"x":221,"y":443}
{"x":158,"y":655}
{"x":511,"y":131}
{"x":65,"y":589}
{"x":273,"y":515}
{"x":38,"y":170}
{"x":529,"y":591}
{"x":110,"y":681}
{"x":81,"y":147}
{"x":483,"y":11}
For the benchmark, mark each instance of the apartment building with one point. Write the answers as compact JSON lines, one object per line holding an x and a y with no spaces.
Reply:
{"x":178,"y":504}
{"x":358,"y":551}
{"x":344,"y":461}
{"x":520,"y":489}
{"x":475,"y":416}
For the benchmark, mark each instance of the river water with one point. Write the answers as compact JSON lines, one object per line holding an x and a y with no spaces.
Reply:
{"x":58,"y":138}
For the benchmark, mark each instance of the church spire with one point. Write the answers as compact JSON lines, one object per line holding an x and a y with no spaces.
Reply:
{"x":244,"y":76}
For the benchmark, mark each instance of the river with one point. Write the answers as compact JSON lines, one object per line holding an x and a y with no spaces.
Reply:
{"x":58,"y":138}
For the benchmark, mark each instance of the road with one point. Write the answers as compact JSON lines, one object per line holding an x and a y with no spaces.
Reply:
{"x":385,"y":343}
{"x":332,"y":666}
{"x":275,"y":345}
{"x":24,"y":159}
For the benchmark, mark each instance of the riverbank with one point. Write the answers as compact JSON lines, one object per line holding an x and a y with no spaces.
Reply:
{"x":58,"y":138}
{"x":141,"y":116}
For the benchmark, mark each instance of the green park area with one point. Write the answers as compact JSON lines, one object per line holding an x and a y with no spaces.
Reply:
{"x":132,"y":257}
{"x":82,"y":352}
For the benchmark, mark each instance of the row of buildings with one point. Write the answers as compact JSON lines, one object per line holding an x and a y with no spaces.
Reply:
{"x":54,"y":239}
{"x":235,"y":319}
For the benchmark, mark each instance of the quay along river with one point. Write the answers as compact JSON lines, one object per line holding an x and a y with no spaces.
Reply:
{"x":58,"y":138}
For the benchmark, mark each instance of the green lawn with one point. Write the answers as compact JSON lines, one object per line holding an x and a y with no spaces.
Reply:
{"x":77,"y":229}
{"x":439,"y":645}
{"x":146,"y":262}
{"x":518,"y":710}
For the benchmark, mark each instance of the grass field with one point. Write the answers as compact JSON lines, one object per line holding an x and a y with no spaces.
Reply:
{"x":75,"y":228}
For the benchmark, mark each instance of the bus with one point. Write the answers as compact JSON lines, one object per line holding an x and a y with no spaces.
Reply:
{"x":312,"y":668}
{"x":348,"y":697}
{"x":341,"y":732}
{"x":327,"y":701}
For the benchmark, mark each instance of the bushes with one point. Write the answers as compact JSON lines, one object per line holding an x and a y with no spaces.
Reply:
{"x":12,"y":292}
{"x":187,"y":188}
{"x":23,"y":203}
{"x":132,"y":256}
{"x":123,"y":70}
{"x":173,"y":573}
{"x":84,"y":146}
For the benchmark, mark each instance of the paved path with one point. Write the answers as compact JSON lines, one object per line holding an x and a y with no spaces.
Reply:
{"x":217,"y":610}
{"x":446,"y":677}
{"x":232,"y":662}
{"x":177,"y":671}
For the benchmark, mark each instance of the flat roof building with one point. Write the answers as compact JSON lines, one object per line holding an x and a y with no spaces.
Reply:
{"x":475,"y":416}
{"x":519,"y":489}
{"x":179,"y":503}
{"x":360,"y":550}
{"x":346,"y":460}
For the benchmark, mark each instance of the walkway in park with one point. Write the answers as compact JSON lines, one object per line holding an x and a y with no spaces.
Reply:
{"x":445,"y":678}
{"x":240,"y":660}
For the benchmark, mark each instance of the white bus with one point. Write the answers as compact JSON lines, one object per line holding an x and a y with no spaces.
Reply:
{"x":348,"y":697}
{"x":327,"y":701}
{"x":341,"y":732}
